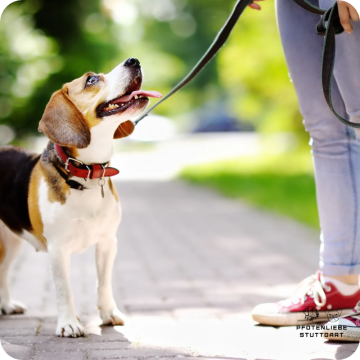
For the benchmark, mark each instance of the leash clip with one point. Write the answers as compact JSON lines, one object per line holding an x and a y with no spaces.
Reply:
{"x":101,"y":181}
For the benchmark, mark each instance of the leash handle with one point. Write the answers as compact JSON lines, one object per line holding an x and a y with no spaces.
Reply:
{"x":329,"y":26}
{"x":219,"y":41}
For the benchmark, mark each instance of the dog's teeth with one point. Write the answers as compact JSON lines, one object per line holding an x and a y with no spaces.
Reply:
{"x":111,"y":107}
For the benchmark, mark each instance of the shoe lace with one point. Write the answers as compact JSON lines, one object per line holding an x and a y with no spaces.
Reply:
{"x":312,"y":286}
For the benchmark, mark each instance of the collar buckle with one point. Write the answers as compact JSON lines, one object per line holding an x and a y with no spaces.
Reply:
{"x":71,"y":159}
{"x":104,"y":168}
{"x":89,"y":173}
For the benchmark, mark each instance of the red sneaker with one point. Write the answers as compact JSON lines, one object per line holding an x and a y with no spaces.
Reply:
{"x":310,"y":303}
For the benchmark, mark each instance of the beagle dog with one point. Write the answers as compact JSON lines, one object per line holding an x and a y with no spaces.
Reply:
{"x":63,"y":201}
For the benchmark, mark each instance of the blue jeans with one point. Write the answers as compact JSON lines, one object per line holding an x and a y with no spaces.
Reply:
{"x":335,"y":149}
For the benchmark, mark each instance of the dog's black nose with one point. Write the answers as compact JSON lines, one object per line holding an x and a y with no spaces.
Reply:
{"x":132,"y":62}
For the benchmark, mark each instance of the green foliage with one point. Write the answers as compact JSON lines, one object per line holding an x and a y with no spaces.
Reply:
{"x":47,"y":43}
{"x":252,"y":69}
{"x":44,"y":46}
{"x":280,"y":183}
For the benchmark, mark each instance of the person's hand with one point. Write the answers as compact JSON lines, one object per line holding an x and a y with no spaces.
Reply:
{"x":347,"y":12}
{"x":254,"y":5}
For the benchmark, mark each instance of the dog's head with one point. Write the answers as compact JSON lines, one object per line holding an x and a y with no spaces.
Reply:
{"x":93,"y":99}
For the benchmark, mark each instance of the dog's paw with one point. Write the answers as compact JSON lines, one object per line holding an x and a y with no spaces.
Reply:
{"x":12,"y":307}
{"x":69,"y":329}
{"x":112,"y":317}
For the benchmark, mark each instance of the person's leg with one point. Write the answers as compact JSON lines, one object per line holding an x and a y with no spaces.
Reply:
{"x":336,"y":152}
{"x":336,"y":155}
{"x":347,"y":75}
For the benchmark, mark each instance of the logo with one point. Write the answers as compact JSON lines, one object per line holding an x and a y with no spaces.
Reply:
{"x":324,"y":331}
{"x":333,"y":315}
{"x":311,"y":313}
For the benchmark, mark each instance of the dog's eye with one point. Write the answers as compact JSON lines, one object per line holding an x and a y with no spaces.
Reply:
{"x":91,"y":80}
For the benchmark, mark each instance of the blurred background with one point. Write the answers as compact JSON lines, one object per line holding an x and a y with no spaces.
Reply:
{"x":236,"y":128}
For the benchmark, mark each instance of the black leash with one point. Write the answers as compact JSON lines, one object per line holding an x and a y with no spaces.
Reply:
{"x":219,"y":41}
{"x":329,"y":26}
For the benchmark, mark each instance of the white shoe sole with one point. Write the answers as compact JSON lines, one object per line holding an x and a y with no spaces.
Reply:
{"x":290,"y":318}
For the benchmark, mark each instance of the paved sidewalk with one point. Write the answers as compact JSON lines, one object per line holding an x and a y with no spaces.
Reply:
{"x":190,"y":267}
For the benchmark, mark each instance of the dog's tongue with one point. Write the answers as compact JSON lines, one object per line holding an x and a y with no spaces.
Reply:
{"x":126,"y":98}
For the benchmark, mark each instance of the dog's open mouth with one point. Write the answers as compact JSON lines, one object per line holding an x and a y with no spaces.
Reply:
{"x":133,"y":98}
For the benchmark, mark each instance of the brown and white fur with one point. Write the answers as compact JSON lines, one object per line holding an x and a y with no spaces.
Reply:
{"x":37,"y":205}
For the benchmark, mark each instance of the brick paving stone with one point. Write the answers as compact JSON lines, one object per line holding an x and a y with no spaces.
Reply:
{"x":138,"y":353}
{"x":190,"y":267}
{"x":60,"y":356}
{"x":32,"y":340}
{"x":80,"y":344}
{"x":18,"y":332}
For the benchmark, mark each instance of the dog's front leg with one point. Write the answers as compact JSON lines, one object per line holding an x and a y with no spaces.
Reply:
{"x":68,"y":324}
{"x":105,"y":256}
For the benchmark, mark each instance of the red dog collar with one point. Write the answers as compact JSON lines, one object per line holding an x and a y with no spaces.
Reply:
{"x":94,"y":171}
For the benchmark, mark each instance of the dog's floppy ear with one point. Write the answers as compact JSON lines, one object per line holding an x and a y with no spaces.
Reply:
{"x":124,"y":129}
{"x":63,"y":123}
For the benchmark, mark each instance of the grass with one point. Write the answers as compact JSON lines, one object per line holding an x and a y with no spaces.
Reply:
{"x":283,"y":183}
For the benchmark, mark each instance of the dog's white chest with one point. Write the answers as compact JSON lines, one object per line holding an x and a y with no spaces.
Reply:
{"x":83,"y":220}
